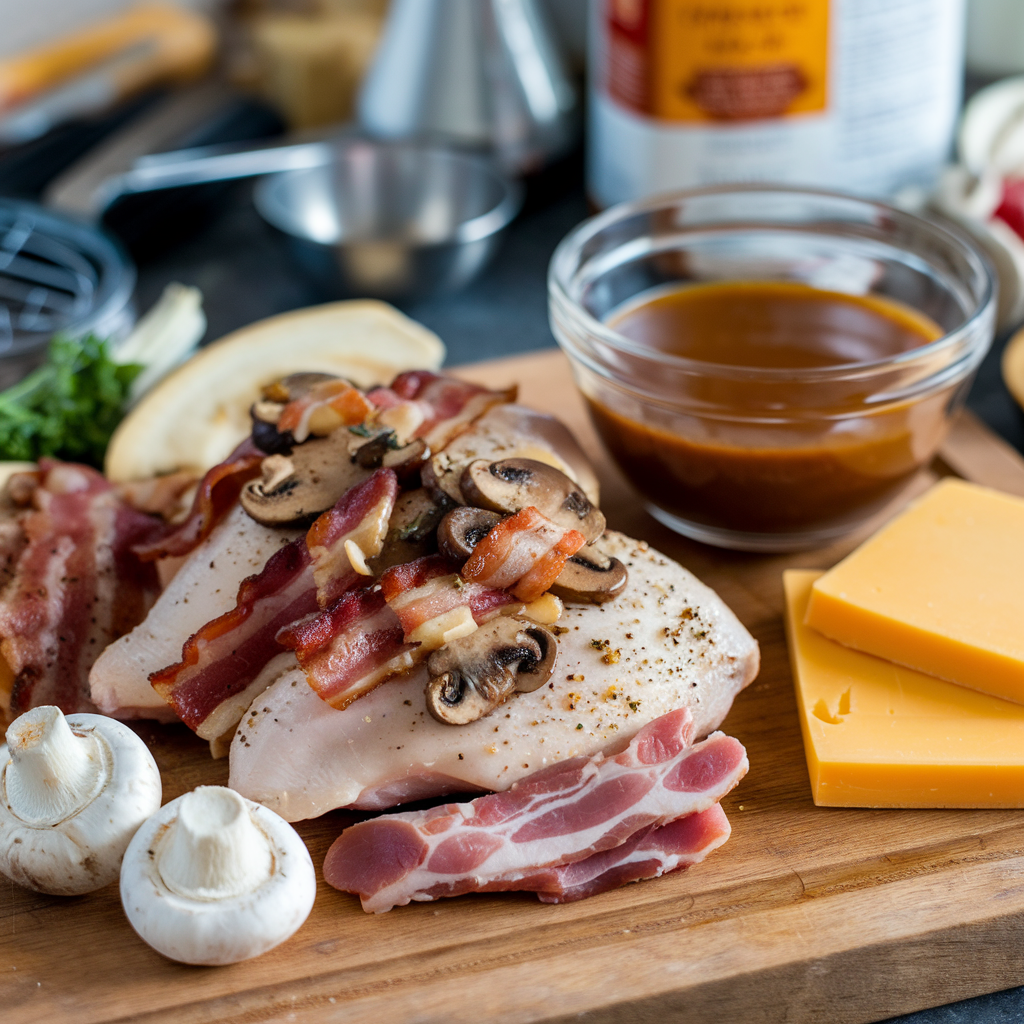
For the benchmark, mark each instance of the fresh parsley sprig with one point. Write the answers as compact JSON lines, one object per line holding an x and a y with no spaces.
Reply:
{"x":69,"y":407}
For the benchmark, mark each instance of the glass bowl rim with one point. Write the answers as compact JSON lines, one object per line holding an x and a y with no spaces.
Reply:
{"x":567,"y":251}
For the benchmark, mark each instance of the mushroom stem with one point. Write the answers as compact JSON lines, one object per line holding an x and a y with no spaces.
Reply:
{"x":52,"y":773}
{"x":213,"y":849}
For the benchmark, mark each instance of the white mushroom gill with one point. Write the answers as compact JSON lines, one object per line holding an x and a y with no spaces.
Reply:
{"x":74,"y":790}
{"x":213,"y":878}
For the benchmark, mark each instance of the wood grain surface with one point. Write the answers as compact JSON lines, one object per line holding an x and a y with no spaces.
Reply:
{"x":807,"y":914}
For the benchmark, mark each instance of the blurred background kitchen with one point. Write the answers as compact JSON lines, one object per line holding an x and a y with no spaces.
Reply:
{"x":272,"y":154}
{"x":279,"y":153}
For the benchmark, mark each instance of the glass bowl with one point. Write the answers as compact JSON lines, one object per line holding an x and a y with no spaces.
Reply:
{"x":759,"y":458}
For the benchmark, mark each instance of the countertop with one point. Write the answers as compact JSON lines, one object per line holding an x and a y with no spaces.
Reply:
{"x":245,"y":272}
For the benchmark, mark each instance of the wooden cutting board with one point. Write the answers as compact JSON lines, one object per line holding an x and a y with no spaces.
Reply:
{"x":807,"y":914}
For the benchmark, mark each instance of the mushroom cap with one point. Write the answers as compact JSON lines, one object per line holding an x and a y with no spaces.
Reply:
{"x":506,"y":432}
{"x":513,"y":484}
{"x":223,"y":931}
{"x":590,"y":577}
{"x":83,"y":852}
{"x":471,"y":676}
{"x":462,"y":529}
{"x":322,"y":471}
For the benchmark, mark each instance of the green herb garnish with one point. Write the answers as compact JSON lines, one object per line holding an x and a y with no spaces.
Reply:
{"x":69,"y":407}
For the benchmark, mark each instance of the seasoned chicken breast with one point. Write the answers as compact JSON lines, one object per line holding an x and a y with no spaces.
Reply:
{"x":667,"y":642}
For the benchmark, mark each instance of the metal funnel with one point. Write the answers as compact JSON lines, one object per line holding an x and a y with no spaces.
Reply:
{"x":482,"y":73}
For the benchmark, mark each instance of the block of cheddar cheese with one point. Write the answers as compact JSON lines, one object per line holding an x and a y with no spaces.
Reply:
{"x":939,"y":589}
{"x":877,"y":734}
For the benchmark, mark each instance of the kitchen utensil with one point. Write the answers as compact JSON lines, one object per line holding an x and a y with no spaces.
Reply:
{"x":205,"y":114}
{"x":201,"y":165}
{"x":89,"y":71}
{"x":56,"y":274}
{"x":478,"y":72}
{"x":391,"y":218}
{"x":365,"y":217}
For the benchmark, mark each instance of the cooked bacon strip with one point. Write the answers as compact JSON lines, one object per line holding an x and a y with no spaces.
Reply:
{"x":420,"y":403}
{"x":560,"y":815}
{"x":217,"y":492}
{"x":523,"y":553}
{"x":430,"y":590}
{"x":211,"y":687}
{"x":361,"y":518}
{"x":76,"y":588}
{"x":327,"y":406}
{"x":649,"y":853}
{"x":352,"y":647}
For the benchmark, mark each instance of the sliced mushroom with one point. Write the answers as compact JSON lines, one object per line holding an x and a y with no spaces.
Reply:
{"x":296,"y":488}
{"x":510,"y":432}
{"x":514,"y":484}
{"x":590,"y":577}
{"x":411,"y":530}
{"x":471,"y":676}
{"x":384,"y":450}
{"x":266,"y":412}
{"x":462,"y":529}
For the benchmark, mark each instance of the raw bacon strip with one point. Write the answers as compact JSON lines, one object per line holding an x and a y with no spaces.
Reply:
{"x":217,"y":492}
{"x":368,"y":636}
{"x":523,"y":553}
{"x":650,"y":853}
{"x":420,"y":403}
{"x":352,"y":647}
{"x":76,"y":588}
{"x":220,"y":660}
{"x":361,"y":516}
{"x":430,"y":590}
{"x":559,"y":815}
{"x":223,"y":659}
{"x":336,"y":402}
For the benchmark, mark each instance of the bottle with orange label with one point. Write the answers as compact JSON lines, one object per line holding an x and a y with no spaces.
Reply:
{"x":856,"y":95}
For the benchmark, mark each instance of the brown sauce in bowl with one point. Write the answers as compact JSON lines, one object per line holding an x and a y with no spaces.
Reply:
{"x":736,"y":470}
{"x":774,"y":325}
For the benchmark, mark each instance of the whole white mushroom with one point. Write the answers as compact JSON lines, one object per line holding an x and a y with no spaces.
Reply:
{"x":73,"y":791}
{"x":213,"y":878}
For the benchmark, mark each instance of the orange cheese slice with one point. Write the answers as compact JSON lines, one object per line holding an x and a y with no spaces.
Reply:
{"x":939,"y":589}
{"x":880,"y":735}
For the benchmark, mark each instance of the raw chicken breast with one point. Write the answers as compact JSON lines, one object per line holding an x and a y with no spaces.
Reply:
{"x":203,"y":588}
{"x":668,"y":642}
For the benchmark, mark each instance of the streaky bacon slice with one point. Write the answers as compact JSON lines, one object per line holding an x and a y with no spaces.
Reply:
{"x":649,"y":853}
{"x":428,"y":588}
{"x":217,"y":492}
{"x":221,"y":659}
{"x":344,"y":405}
{"x":439,"y":407}
{"x":560,"y":815}
{"x":370,"y":635}
{"x":360,"y":516}
{"x":211,"y":687}
{"x":523,"y":553}
{"x":76,"y":585}
{"x":350,"y":648}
